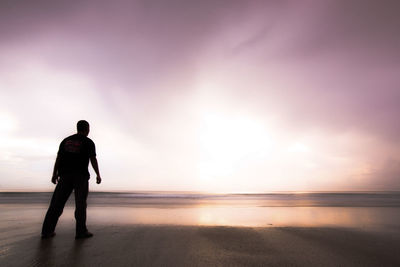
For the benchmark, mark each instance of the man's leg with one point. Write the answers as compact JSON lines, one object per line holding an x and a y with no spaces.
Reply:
{"x":81,"y":189}
{"x":60,"y":196}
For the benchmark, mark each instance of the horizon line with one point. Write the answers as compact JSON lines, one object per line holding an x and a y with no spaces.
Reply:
{"x":215,"y":193}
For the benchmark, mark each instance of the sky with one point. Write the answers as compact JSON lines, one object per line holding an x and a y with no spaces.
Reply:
{"x":216,"y":96}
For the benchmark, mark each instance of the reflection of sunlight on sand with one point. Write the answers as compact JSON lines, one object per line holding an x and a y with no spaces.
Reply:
{"x":247,"y":216}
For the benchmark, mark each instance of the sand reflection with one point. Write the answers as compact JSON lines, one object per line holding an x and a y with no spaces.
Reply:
{"x":249,"y":216}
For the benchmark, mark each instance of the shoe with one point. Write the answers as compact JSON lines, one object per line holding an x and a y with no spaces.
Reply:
{"x":84,"y":235}
{"x":46,"y":236}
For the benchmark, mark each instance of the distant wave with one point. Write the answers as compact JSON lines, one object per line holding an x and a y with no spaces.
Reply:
{"x":289,"y":199}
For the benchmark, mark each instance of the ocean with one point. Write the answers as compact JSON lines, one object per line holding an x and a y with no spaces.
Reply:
{"x":308,"y":209}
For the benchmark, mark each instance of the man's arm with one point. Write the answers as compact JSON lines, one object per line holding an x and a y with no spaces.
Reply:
{"x":56,"y":177}
{"x":95,"y":166}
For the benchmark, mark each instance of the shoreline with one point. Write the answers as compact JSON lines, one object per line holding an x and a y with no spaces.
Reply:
{"x":211,"y":215}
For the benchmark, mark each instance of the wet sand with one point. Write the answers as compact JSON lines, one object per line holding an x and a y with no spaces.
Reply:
{"x":168,"y":245}
{"x":149,"y":231}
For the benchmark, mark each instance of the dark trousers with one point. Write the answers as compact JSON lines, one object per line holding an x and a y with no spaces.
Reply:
{"x":80,"y":185}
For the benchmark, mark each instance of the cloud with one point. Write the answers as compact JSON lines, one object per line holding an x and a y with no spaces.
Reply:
{"x":146,"y":69}
{"x":382,"y":176}
{"x":331,"y":64}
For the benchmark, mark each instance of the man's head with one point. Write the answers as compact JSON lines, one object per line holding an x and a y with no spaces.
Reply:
{"x":83,"y":127}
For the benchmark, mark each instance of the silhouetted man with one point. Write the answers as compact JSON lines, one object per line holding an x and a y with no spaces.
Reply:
{"x":71,"y":174}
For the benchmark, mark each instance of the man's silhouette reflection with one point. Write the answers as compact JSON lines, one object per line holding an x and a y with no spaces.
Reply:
{"x":71,"y":174}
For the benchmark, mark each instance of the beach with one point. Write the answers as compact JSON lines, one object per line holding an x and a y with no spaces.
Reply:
{"x":151,"y":245}
{"x":122,"y":238}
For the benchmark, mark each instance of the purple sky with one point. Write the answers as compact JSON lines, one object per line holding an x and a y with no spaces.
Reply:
{"x":204,"y":95}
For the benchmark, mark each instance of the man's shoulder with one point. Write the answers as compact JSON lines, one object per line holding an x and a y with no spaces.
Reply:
{"x":74,"y":136}
{"x":82,"y":138}
{"x":67,"y":138}
{"x":89,"y":140}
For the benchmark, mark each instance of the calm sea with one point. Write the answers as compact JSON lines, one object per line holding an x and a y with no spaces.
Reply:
{"x":328,"y":209}
{"x":288,"y":199}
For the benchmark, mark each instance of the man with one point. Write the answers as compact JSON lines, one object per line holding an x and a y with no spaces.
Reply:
{"x":71,"y":174}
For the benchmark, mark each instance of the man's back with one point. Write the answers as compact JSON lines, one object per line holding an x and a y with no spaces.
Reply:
{"x":74,"y":153}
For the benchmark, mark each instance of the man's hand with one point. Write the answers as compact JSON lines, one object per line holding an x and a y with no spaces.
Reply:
{"x":55,"y":179}
{"x":95,"y":166}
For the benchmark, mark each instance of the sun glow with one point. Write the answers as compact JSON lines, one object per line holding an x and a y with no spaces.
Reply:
{"x":228,"y":142}
{"x":236,"y":147}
